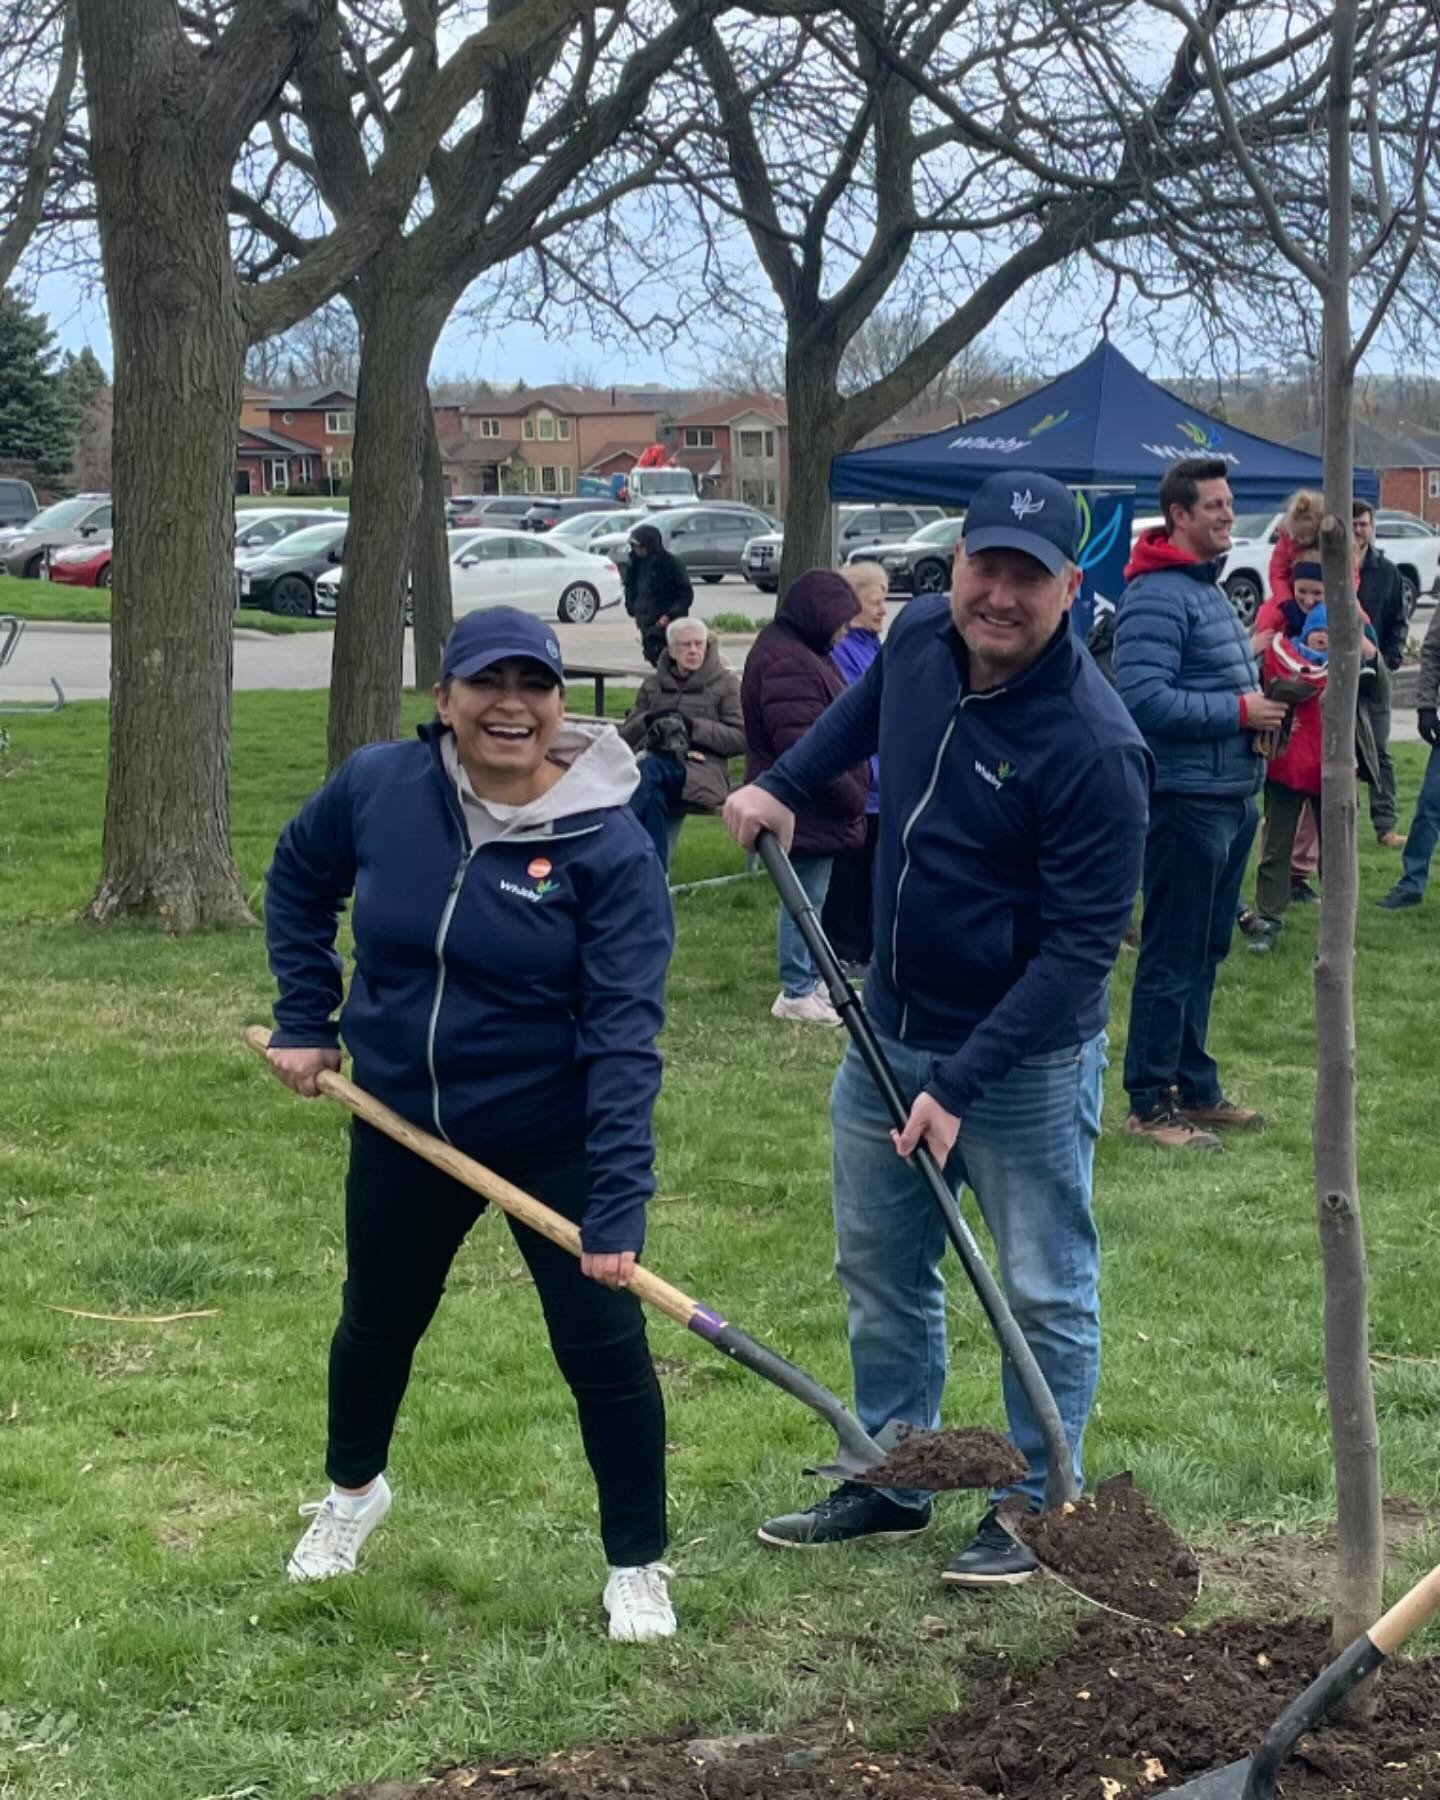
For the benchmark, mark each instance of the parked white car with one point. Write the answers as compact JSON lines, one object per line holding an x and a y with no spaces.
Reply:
{"x":538,"y":573}
{"x":1409,"y":543}
{"x":258,"y":529}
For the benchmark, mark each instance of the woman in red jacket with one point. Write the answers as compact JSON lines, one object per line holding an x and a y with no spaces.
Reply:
{"x":789,"y":680}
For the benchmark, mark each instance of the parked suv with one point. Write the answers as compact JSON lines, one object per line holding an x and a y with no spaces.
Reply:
{"x":709,"y":540}
{"x":17,"y":503}
{"x":1408,"y":542}
{"x":503,"y":511}
{"x":258,"y":530}
{"x":923,"y":563}
{"x":544,"y":514}
{"x":859,"y":526}
{"x":23,"y":549}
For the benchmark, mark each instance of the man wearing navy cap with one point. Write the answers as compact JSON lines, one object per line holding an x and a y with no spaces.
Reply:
{"x":1013,"y":796}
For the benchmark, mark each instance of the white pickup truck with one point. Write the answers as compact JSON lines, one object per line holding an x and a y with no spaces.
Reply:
{"x":1409,"y":543}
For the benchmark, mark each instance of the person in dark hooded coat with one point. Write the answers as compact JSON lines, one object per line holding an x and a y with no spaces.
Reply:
{"x":657,"y":589}
{"x":789,"y":681}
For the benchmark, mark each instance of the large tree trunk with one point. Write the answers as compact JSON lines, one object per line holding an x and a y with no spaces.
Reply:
{"x":812,"y":405}
{"x":179,"y":336}
{"x":430,"y":565}
{"x":392,"y":423}
{"x":1360,"y":1539}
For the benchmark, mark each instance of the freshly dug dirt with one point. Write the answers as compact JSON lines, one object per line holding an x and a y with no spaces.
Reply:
{"x":648,"y":1771}
{"x":1129,"y":1711}
{"x":968,"y":1458}
{"x":1116,"y":1547}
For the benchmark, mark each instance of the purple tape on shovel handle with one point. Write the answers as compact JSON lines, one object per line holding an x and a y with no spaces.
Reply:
{"x":706,"y":1324}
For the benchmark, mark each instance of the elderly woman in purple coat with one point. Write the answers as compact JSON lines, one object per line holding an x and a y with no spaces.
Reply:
{"x":848,"y":916}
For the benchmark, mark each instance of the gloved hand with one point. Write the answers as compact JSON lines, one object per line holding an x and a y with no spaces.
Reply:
{"x":1429,"y":724}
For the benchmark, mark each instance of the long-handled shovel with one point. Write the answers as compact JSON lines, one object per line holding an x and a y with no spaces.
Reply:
{"x":1060,"y":1484}
{"x":1254,"y":1777}
{"x":856,"y":1451}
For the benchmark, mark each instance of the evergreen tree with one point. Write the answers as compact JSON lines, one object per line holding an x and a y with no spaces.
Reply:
{"x":82,"y":378}
{"x":38,"y":419}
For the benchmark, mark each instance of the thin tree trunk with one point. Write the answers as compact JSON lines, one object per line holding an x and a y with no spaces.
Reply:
{"x":430,"y":565}
{"x":1354,"y":1430}
{"x":812,"y":405}
{"x":392,"y":422}
{"x":179,"y":336}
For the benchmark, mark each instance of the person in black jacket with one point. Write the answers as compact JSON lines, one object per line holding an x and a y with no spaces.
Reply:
{"x":1382,"y":599}
{"x":657,"y":589}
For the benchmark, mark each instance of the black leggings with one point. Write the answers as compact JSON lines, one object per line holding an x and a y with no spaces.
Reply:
{"x":404,"y":1222}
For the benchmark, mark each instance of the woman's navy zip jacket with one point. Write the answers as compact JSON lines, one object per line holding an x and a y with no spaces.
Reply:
{"x":1011,"y":840}
{"x":501,"y":995}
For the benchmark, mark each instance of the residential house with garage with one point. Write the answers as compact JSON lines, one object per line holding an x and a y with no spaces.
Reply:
{"x":736,"y":448}
{"x":295,"y":442}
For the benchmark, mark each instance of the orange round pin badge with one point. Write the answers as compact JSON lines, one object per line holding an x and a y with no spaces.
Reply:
{"x":538,"y":869}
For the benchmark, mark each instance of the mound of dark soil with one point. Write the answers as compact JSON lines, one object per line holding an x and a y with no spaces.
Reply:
{"x":968,"y":1458}
{"x":1128,"y":1711}
{"x":1117,"y":1547}
{"x":649,"y":1771}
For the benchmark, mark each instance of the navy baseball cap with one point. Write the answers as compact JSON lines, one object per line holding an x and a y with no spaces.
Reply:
{"x":1024,"y":511}
{"x":494,"y":634}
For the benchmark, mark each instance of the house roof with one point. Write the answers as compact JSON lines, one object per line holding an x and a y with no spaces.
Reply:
{"x":732,"y":406}
{"x":908,"y":425}
{"x":701,"y":462}
{"x":312,"y":399}
{"x":477,"y":453}
{"x":1377,"y":449}
{"x":608,"y":453}
{"x":271,"y":440}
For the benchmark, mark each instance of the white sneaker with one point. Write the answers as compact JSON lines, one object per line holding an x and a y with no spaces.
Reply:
{"x":805,"y":1009}
{"x":339,"y":1526}
{"x":638,"y":1603}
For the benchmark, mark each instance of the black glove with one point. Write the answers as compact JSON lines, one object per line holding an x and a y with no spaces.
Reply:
{"x":1429,"y":725}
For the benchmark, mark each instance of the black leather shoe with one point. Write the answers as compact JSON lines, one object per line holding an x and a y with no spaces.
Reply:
{"x":1302,"y":894}
{"x":991,"y":1559}
{"x":1397,"y":899}
{"x":851,"y":1513}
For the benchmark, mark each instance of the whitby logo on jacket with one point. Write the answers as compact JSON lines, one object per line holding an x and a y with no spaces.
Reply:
{"x":538,"y":871}
{"x":996,"y":777}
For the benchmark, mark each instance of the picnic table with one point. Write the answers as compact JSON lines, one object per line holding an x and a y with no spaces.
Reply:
{"x":599,"y":674}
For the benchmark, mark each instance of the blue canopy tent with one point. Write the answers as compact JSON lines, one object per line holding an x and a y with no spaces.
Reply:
{"x":1102,"y":425}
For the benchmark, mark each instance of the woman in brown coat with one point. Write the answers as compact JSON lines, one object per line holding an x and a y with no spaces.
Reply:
{"x":691,"y":679}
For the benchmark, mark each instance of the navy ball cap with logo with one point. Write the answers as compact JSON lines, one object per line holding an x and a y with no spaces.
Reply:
{"x":495,"y":634}
{"x":1021,"y":510}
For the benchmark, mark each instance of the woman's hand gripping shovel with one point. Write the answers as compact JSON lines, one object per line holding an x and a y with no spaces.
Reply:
{"x":1114,"y":1550}
{"x":856,"y":1452}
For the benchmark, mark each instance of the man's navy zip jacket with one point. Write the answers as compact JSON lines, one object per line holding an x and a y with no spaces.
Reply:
{"x":1011,"y":839}
{"x":502,"y":995}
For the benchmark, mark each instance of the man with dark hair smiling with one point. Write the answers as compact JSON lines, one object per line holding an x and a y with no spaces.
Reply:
{"x":1184,"y":667}
{"x":1012,"y":821}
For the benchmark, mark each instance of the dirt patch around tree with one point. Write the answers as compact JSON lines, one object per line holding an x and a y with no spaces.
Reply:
{"x":1116,"y":1547}
{"x":942,"y":1460}
{"x":1129,"y":1711}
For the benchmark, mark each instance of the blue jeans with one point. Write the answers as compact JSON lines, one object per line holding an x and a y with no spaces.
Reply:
{"x":1027,"y":1150}
{"x":1195,"y":856}
{"x":798,"y":974}
{"x":1424,"y":830}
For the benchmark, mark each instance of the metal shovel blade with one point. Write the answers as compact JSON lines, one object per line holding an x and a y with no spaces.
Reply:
{"x":851,"y":1461}
{"x":1220,"y":1784}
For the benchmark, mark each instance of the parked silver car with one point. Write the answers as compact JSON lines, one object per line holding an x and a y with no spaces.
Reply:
{"x":23,"y":548}
{"x":860,"y":527}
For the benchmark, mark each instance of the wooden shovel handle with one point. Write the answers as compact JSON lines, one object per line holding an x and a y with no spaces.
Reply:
{"x":1407,"y":1615}
{"x":504,"y":1194}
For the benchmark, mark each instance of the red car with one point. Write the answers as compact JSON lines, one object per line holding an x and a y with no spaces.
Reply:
{"x":81,"y":565}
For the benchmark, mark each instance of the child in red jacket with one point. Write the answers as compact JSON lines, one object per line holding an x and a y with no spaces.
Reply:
{"x":1296,"y":666}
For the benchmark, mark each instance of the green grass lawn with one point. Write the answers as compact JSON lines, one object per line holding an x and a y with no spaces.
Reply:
{"x":45,"y":601}
{"x":149,"y":1475}
{"x":292,"y":502}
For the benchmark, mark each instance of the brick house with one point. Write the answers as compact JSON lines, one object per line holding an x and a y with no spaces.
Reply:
{"x":294,"y":440}
{"x":1407,"y":462}
{"x":736,"y":449}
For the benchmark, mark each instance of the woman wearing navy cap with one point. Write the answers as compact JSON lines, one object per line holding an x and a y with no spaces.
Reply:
{"x":512,"y":932}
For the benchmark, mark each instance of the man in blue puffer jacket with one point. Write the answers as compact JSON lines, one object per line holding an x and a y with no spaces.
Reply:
{"x":1184,"y":667}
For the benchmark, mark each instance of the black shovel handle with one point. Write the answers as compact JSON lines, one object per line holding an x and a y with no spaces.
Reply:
{"x":1060,"y":1484}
